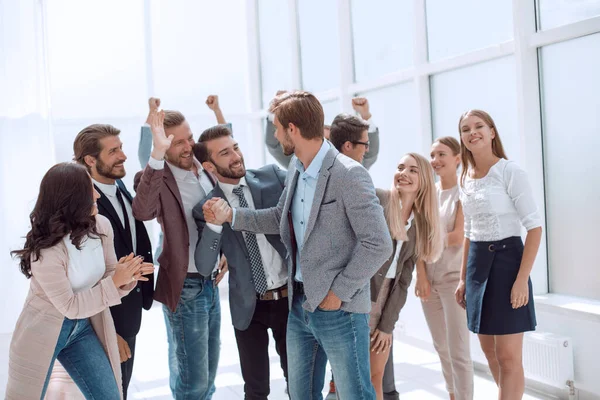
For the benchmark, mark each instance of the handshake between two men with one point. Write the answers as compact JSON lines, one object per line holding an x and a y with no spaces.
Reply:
{"x":217,"y":211}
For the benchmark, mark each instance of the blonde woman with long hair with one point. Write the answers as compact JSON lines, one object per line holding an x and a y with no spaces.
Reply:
{"x":497,"y":202}
{"x":412,"y":216}
{"x":437,"y":281}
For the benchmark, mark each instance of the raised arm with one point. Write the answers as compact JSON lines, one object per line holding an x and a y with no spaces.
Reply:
{"x":273,"y":145}
{"x":145,"y":145}
{"x":361,"y":106}
{"x":212,"y":102}
{"x":147,"y":184}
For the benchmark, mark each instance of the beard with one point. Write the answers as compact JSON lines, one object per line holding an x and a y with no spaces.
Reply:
{"x":109,"y":171}
{"x":229,"y":173}
{"x":286,"y":145}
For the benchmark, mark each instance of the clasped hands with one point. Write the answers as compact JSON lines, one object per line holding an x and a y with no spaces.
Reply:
{"x":217,"y":211}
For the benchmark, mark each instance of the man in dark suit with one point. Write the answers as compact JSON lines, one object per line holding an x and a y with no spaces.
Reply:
{"x":99,"y":148}
{"x":257,"y":273}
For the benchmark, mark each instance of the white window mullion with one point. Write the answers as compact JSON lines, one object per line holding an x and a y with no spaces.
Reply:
{"x":346,"y":54}
{"x":420,"y":57}
{"x":529,"y":122}
{"x":295,"y":44}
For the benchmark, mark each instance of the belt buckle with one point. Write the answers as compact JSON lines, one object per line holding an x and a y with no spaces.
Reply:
{"x":276,"y":295}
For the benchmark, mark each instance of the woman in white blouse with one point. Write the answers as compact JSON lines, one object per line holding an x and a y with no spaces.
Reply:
{"x":495,"y":287}
{"x":437,"y":281}
{"x":412,"y":216}
{"x":75,"y":278}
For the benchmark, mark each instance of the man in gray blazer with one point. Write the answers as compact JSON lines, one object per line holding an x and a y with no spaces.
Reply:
{"x":257,"y":273}
{"x":360,"y":105}
{"x":336,"y":238}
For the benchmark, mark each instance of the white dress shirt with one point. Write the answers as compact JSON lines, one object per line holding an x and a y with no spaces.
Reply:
{"x":192,"y":189}
{"x":391,"y":274}
{"x":497,"y":205}
{"x":110,"y":191}
{"x":86,"y":266}
{"x":275,"y":272}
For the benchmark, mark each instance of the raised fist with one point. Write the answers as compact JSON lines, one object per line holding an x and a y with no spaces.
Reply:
{"x":212,"y":102}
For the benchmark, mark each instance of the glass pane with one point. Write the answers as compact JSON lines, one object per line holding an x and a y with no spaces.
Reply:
{"x":382,"y":35}
{"x":275,"y":48}
{"x":96,"y":58}
{"x":389,"y":106}
{"x":196,"y":54}
{"x":331,"y":109}
{"x":319,"y":44}
{"x":553,"y":13}
{"x":571,"y":142}
{"x":454,"y":92}
{"x":460,"y":26}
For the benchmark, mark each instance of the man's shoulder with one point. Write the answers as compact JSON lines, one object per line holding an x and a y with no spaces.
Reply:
{"x":343,"y":163}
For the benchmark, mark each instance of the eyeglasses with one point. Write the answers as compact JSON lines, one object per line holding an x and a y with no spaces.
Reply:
{"x":366,"y":144}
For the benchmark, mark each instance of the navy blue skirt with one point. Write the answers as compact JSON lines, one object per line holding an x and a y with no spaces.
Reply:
{"x":492,"y":268}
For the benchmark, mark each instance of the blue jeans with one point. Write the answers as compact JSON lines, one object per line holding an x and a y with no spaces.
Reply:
{"x":339,"y":336}
{"x":80,"y":352}
{"x":195,"y":338}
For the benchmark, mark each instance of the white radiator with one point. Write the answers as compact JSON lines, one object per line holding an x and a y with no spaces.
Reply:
{"x":548,"y":359}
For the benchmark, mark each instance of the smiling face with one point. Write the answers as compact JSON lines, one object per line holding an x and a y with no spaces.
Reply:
{"x":443,"y":160}
{"x":406,"y":178}
{"x":475,"y":134}
{"x":180,"y":153}
{"x":226,"y":158}
{"x":109,"y":163}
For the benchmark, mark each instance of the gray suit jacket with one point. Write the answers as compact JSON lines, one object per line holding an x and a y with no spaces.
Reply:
{"x":346,"y":237}
{"x":276,"y":150}
{"x":404,"y":271}
{"x":266,"y":185}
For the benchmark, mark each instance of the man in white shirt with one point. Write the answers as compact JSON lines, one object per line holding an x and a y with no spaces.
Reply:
{"x":168,"y":188}
{"x":257,"y":272}
{"x":99,"y":148}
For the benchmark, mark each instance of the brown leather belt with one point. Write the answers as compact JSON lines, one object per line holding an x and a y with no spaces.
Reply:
{"x":195,"y":275}
{"x":274,"y":294}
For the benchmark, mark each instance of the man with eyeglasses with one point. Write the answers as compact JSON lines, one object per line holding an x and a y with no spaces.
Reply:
{"x":370,"y":144}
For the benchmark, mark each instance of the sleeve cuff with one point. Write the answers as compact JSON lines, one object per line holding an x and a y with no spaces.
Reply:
{"x":271,"y":117}
{"x":372,"y":126}
{"x":233,"y":217}
{"x":146,"y":125}
{"x":156,"y":164}
{"x":215,"y":228}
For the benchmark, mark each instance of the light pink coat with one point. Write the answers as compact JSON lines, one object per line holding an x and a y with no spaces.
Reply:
{"x":49,"y":301}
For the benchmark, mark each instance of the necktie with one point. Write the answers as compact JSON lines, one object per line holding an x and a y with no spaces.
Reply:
{"x":126,"y":218}
{"x":258,"y":271}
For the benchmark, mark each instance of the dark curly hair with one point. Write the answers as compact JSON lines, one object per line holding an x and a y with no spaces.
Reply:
{"x":64,"y":206}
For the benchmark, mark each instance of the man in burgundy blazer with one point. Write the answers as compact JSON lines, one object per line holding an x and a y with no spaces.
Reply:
{"x":168,"y":188}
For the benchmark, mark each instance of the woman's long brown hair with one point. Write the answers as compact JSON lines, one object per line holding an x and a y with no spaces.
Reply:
{"x":64,"y":206}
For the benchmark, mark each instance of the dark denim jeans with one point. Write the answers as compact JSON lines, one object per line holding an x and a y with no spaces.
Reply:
{"x":194,"y":336}
{"x":81,"y":354}
{"x":339,"y":336}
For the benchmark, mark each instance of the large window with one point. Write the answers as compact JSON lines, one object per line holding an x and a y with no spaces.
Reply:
{"x":200,"y":48}
{"x":108,"y":60}
{"x":276,"y":48}
{"x":319,"y":44}
{"x":460,"y":26}
{"x":382,"y":35}
{"x":571,"y":141}
{"x":489,"y":86}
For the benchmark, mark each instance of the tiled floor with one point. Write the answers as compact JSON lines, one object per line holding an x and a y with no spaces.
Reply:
{"x":418,"y":373}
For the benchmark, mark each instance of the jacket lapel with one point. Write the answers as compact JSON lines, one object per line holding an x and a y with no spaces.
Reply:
{"x":172,"y":185}
{"x":320,"y":190}
{"x":254,"y":186}
{"x":107,"y":208}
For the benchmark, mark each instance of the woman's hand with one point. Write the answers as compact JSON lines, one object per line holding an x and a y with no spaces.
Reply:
{"x":519,"y":295}
{"x":460,"y":294}
{"x":131,"y":269}
{"x":381,"y":341}
{"x":124,"y":350}
{"x":422,"y":287}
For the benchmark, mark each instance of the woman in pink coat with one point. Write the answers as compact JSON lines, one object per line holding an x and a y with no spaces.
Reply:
{"x":75,"y":278}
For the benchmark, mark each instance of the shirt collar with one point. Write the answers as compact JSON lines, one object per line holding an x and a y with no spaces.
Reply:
{"x":317,"y":162}
{"x":108,"y":190}
{"x":181,"y":174}
{"x":228,"y":187}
